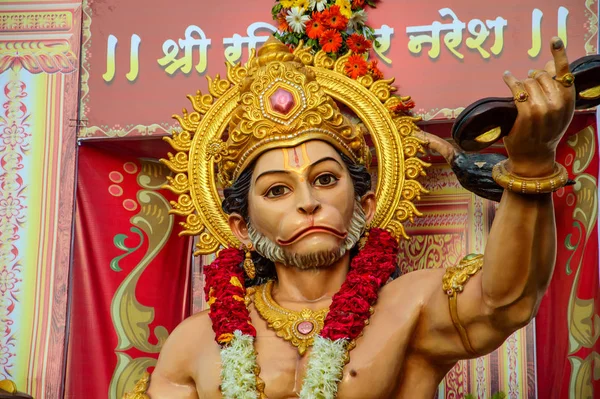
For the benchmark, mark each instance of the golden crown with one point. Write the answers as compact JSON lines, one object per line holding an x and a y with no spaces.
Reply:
{"x":282,"y":105}
{"x":281,"y":99}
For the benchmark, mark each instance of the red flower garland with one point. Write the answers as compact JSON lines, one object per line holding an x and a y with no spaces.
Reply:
{"x":369,"y":271}
{"x":350,"y":307}
{"x":333,"y":18}
{"x":331,"y":41}
{"x":356,"y":66}
{"x":225,"y":292}
{"x":315,"y":27}
{"x":358,"y":44}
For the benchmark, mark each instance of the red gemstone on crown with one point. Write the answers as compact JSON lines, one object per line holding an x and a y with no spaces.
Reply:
{"x":305,"y":327}
{"x":282,"y":101}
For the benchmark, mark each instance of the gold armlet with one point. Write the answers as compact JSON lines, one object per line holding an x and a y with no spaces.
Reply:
{"x":140,"y":389}
{"x":453,"y":283}
{"x":526,"y":185}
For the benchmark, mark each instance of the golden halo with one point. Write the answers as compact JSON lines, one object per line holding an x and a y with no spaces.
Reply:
{"x":199,"y":147}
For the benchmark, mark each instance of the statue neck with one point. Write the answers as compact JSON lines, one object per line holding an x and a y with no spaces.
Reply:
{"x":312,"y":285}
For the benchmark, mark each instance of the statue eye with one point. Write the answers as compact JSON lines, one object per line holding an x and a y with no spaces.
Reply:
{"x":325,"y":180}
{"x":277,"y":191}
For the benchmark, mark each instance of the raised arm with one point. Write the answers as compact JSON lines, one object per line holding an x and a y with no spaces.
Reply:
{"x":520,"y":254}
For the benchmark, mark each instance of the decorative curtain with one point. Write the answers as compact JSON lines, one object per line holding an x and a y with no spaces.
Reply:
{"x":131,"y":272}
{"x":568,"y":321}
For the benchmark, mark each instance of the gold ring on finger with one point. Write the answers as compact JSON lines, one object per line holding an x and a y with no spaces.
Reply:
{"x":521,"y":96}
{"x":566,"y":80}
{"x":534,"y":73}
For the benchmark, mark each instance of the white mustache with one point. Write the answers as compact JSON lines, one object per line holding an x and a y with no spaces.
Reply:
{"x":277,"y":254}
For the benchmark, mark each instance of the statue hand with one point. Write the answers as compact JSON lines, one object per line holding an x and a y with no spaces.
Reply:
{"x":543,"y":117}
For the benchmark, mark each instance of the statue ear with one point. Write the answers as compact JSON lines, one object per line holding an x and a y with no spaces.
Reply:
{"x":368,"y":202}
{"x":239,"y":228}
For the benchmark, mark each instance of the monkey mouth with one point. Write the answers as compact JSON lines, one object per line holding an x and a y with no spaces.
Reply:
{"x":311,"y":230}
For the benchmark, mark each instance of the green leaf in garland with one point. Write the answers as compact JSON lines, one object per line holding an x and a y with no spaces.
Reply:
{"x":275,"y":10}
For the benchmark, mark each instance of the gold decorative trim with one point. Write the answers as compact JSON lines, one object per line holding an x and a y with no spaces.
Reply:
{"x":36,"y":21}
{"x":457,"y":276}
{"x":140,"y":389}
{"x":526,"y":185}
{"x":394,"y":138}
{"x":286,"y":322}
{"x":154,"y":129}
{"x":36,"y":56}
{"x":591,"y":38}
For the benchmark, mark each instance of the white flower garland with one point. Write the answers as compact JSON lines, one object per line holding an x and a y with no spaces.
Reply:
{"x":238,"y":360}
{"x":323,"y":371}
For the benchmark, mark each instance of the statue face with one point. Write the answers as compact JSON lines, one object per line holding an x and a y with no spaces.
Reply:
{"x":302,"y":198}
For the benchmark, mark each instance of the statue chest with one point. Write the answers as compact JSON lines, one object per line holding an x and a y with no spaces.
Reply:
{"x":373,"y":371}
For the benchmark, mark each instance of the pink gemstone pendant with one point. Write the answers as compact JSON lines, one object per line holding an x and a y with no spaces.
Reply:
{"x":305,"y":327}
{"x":282,"y":101}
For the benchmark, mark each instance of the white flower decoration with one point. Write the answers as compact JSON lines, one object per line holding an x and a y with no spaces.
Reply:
{"x":357,"y":20}
{"x":318,"y":4}
{"x":296,"y":19}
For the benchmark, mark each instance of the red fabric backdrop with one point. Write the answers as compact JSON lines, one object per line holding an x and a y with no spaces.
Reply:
{"x":131,"y":271}
{"x":568,"y":321}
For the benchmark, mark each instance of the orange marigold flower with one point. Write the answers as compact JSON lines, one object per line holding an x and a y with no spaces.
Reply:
{"x":356,"y":4}
{"x":333,"y":19}
{"x":315,"y":27}
{"x":356,"y":66}
{"x":283,"y":24}
{"x":331,"y":41}
{"x":374,"y":70}
{"x":358,"y":44}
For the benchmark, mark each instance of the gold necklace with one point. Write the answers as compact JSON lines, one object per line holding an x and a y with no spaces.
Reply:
{"x":299,"y":328}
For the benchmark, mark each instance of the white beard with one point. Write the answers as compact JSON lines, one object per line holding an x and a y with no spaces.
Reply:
{"x":275,"y":253}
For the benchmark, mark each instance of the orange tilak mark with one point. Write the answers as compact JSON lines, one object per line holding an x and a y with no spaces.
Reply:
{"x":305,"y":157}
{"x":300,"y":167}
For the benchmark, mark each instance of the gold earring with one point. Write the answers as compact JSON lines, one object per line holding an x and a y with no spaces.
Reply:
{"x":365,"y":237}
{"x":249,"y":264}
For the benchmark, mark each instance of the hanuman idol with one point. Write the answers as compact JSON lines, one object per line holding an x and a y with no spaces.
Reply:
{"x":305,"y":295}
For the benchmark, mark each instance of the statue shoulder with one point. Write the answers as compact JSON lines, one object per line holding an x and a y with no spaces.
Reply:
{"x":177,"y":366}
{"x":197,"y":325}
{"x":189,"y":340}
{"x":412,"y":288}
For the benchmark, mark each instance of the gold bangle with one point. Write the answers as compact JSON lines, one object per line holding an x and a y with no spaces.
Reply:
{"x":527,"y":185}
